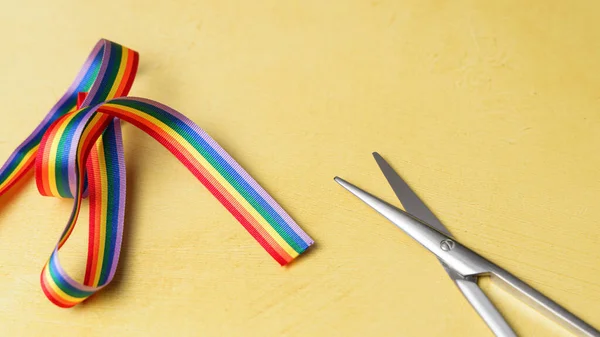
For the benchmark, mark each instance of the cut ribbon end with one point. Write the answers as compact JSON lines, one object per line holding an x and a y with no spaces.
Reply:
{"x":80,"y":99}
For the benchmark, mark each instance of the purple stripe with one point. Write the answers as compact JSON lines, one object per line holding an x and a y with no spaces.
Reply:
{"x":44,"y":124}
{"x":59,"y":269}
{"x":293,"y":225}
{"x":86,"y":102}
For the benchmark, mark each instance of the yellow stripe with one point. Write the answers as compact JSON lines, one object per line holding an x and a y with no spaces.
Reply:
{"x":96,"y":119}
{"x":26,"y":157}
{"x":102,"y":224}
{"x":57,"y":290}
{"x":217,"y":176}
{"x":52,"y":155}
{"x":119,"y":77}
{"x":20,"y":166}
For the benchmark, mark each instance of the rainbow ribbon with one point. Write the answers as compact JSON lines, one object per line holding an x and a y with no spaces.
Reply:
{"x":78,"y":151}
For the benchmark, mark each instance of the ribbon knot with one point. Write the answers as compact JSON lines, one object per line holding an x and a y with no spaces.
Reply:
{"x":78,"y":151}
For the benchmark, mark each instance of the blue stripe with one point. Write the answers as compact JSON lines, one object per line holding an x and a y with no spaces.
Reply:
{"x":61,"y":282}
{"x":200,"y":145}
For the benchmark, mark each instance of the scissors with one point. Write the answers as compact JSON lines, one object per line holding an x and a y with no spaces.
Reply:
{"x":463,"y":265}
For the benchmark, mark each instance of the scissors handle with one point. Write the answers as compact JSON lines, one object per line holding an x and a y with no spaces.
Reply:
{"x":547,"y":306}
{"x":484,"y":307}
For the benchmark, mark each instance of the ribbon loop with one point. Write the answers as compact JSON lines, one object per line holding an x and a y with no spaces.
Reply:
{"x":78,"y":151}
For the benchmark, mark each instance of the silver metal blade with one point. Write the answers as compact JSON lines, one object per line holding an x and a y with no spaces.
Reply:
{"x":468,"y":286}
{"x":458,"y":257}
{"x":427,"y":236}
{"x":409,"y":199}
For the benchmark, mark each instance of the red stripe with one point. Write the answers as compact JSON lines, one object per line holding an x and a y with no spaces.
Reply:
{"x":161,"y":137}
{"x":95,"y":188}
{"x":271,"y":241}
{"x":80,"y":98}
{"x":193,"y":165}
{"x":53,"y":296}
{"x":132,"y":72}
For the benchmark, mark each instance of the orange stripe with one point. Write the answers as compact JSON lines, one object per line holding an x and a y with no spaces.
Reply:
{"x":24,"y":169}
{"x":184,"y":153}
{"x":51,"y":294}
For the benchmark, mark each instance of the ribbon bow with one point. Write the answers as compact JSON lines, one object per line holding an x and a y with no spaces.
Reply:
{"x":78,"y":151}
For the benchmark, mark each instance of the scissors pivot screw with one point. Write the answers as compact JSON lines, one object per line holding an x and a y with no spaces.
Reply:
{"x":447,"y":245}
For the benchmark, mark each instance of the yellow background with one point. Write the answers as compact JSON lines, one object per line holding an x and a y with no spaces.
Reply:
{"x":490,"y":110}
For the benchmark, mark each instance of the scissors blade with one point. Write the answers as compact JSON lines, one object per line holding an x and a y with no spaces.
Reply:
{"x":409,"y":199}
{"x":468,"y":286}
{"x":427,"y":236}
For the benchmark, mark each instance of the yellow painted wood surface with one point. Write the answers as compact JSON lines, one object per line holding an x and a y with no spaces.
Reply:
{"x":490,"y":110}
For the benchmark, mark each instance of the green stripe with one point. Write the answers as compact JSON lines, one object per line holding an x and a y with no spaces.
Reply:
{"x":65,"y":287}
{"x":164,"y":117}
{"x":112,"y":188}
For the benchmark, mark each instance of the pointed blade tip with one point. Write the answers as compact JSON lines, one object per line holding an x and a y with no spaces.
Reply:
{"x":340,"y":181}
{"x":348,"y":186}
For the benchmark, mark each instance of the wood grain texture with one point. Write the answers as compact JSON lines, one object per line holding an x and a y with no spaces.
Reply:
{"x":490,"y":110}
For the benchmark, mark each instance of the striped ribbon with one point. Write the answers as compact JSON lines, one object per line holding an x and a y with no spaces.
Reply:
{"x":78,"y":151}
